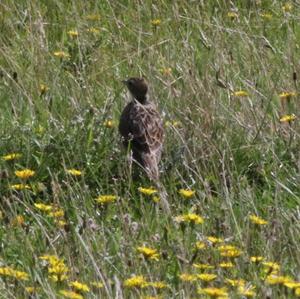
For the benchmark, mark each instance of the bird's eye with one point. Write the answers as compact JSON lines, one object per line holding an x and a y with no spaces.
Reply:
{"x":130,"y":82}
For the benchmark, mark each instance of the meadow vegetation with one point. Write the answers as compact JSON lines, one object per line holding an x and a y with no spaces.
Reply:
{"x":73,"y":222}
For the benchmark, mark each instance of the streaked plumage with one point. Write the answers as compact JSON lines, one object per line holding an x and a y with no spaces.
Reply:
{"x":141,"y":128}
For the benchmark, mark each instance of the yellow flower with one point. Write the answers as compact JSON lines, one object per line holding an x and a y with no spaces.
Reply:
{"x":156,"y":22}
{"x":232,"y":15}
{"x":97,"y":284}
{"x":20,"y":187}
{"x":135,"y":282}
{"x":214,"y":292}
{"x":157,"y":285}
{"x":236,"y":282}
{"x":256,"y":259}
{"x":187,"y":277}
{"x":200,"y":245}
{"x":297,"y":292}
{"x":257,"y":220}
{"x":288,"y":118}
{"x":275,"y":279}
{"x":240,"y":93}
{"x":287,"y":95}
{"x":229,"y":251}
{"x":43,"y":207}
{"x":105,"y":199}
{"x":203,"y":266}
{"x":271,"y":267}
{"x":57,"y":213}
{"x":31,"y":290}
{"x":266,"y":16}
{"x":43,"y":88}
{"x":74,"y":172}
{"x":57,"y":269}
{"x":10,"y":272}
{"x":79,"y":286}
{"x":166,"y":71}
{"x":61,"y":223}
{"x":73,"y":33}
{"x":206,"y":276}
{"x":226,"y":265}
{"x":61,"y":54}
{"x":12,"y":156}
{"x":215,"y":240}
{"x":174,"y":124}
{"x":190,"y":218}
{"x":156,"y":199}
{"x":93,"y":17}
{"x":292,"y":284}
{"x":24,"y":174}
{"x":287,"y":7}
{"x":18,"y":221}
{"x":93,"y":30}
{"x":147,"y":191}
{"x":186,"y":193}
{"x":109,"y":124}
{"x":246,"y":291}
{"x":148,"y":253}
{"x":70,"y":294}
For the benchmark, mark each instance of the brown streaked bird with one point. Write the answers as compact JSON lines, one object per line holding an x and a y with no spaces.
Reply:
{"x":141,"y":128}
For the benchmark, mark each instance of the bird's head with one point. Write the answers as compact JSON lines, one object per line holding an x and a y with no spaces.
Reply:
{"x":138,"y":88}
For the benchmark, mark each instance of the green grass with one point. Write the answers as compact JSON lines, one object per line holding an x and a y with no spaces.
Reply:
{"x":233,"y":151}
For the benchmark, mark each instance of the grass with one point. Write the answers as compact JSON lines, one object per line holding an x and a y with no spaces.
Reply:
{"x":231,"y":149}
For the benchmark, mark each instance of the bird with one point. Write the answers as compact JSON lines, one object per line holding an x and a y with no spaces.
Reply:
{"x":141,"y":128}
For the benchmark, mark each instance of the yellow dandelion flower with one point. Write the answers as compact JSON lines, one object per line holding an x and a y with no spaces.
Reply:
{"x":20,"y":187}
{"x":79,"y":286}
{"x":278,"y":279}
{"x":271,"y":267}
{"x":61,"y":223}
{"x":240,"y":93}
{"x":166,"y":71}
{"x":19,"y":220}
{"x":147,"y":191}
{"x":292,"y":284}
{"x":287,"y":7}
{"x":287,"y":95}
{"x":257,"y":220}
{"x":206,"y":276}
{"x":190,"y":218}
{"x":186,"y":193}
{"x":24,"y":174}
{"x":43,"y":88}
{"x":105,"y":199}
{"x":74,"y":172}
{"x":57,"y":269}
{"x":215,"y":240}
{"x":156,"y":22}
{"x":256,"y":259}
{"x":288,"y":118}
{"x":93,"y":30}
{"x":109,"y":124}
{"x":236,"y":282}
{"x":297,"y":292}
{"x":213,"y":292}
{"x":200,"y":245}
{"x":148,"y":253}
{"x":232,"y":15}
{"x":226,"y":265}
{"x":93,"y":17}
{"x":31,"y":290}
{"x":58,"y":213}
{"x":247,"y":291}
{"x":266,"y":16}
{"x":43,"y":207}
{"x":135,"y":282}
{"x":70,"y":294}
{"x":203,"y":266}
{"x":10,"y":272}
{"x":12,"y":156}
{"x":175,"y":124}
{"x":229,"y":251}
{"x":97,"y":284}
{"x":187,"y":277}
{"x":61,"y":54}
{"x":73,"y":33}
{"x":157,"y":285}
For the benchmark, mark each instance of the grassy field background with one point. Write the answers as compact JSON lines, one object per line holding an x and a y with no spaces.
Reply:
{"x":225,"y":78}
